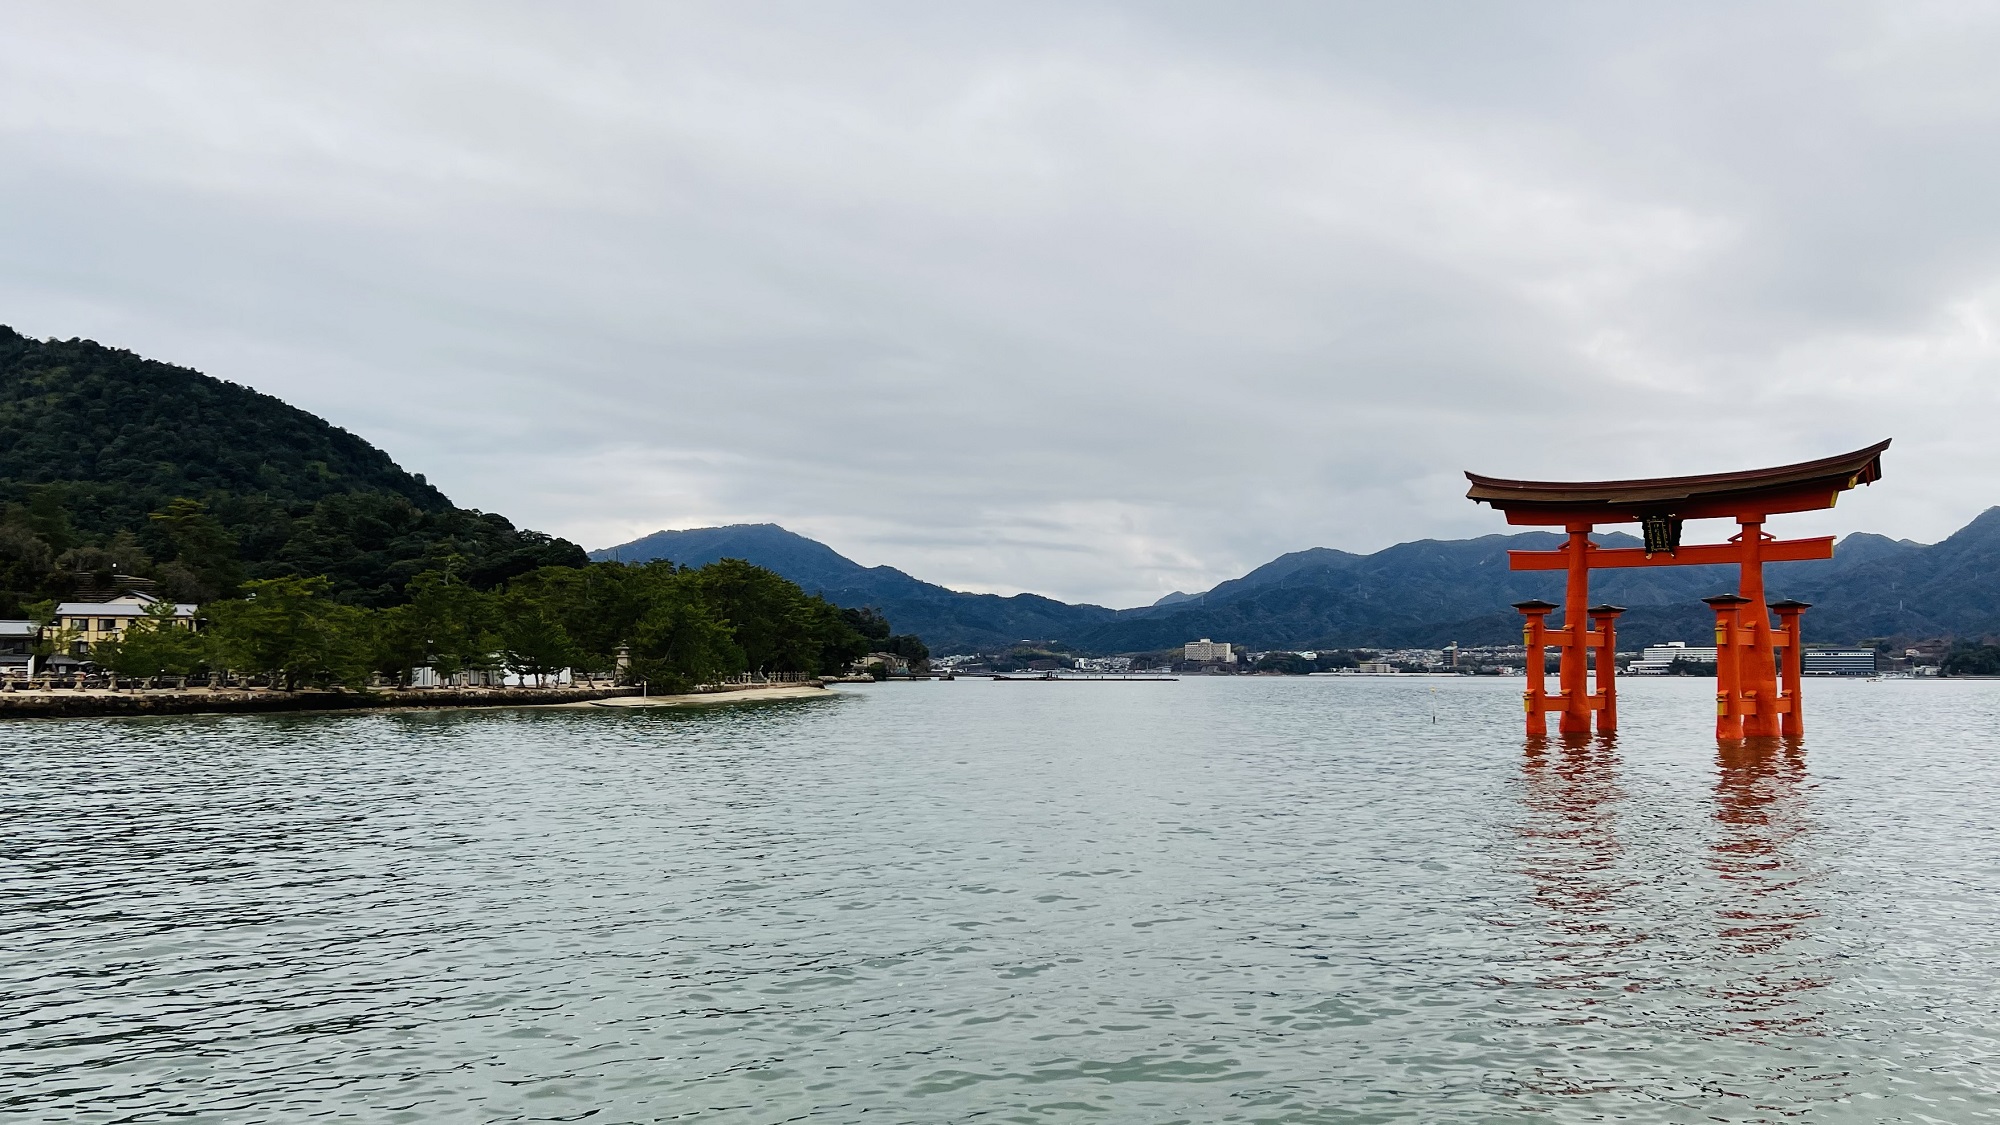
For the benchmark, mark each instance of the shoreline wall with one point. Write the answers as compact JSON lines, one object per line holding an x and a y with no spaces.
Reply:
{"x":41,"y":705}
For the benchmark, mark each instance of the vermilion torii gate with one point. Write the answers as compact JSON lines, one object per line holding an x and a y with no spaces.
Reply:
{"x":1749,"y":698}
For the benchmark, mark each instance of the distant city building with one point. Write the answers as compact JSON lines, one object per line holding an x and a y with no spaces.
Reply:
{"x":1377,"y":668}
{"x":1412,"y":657}
{"x":1838,"y":662}
{"x":1658,"y":660}
{"x":1205,"y":651}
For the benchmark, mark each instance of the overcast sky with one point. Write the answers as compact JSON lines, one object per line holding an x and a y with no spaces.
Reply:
{"x":1094,"y":301}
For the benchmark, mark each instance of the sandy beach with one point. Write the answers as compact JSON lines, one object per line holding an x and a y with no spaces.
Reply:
{"x":756,"y":694}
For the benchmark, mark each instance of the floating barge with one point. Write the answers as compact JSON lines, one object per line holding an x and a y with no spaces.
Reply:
{"x":1071,"y":676}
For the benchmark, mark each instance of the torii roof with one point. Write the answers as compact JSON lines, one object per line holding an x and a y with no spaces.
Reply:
{"x":1786,"y":488}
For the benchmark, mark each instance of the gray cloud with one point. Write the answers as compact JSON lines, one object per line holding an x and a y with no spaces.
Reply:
{"x":1094,"y":301}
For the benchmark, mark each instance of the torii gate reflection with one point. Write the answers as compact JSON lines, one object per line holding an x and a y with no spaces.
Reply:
{"x":1608,"y":907}
{"x":1749,"y":698}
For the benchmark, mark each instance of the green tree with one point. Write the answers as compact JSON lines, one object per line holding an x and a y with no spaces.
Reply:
{"x":870,"y":624}
{"x":681,"y":642}
{"x":532,"y":639}
{"x":201,"y":545}
{"x":599,"y":606}
{"x":766,"y":615}
{"x":50,"y":519}
{"x":667,"y":618}
{"x":52,"y":637}
{"x":290,"y":629}
{"x":1967,"y":659}
{"x":156,"y":644}
{"x":121,"y":553}
{"x":909,"y":646}
{"x":446,"y":626}
{"x":1287,"y":663}
{"x":26,"y":561}
{"x":838,"y":643}
{"x":778,"y":627}
{"x":399,"y":646}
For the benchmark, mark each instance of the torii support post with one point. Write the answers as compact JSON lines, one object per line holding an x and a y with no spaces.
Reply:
{"x":1534,"y":635}
{"x":1789,"y":612}
{"x":1757,"y":661}
{"x":1729,"y":657}
{"x":1571,"y":673}
{"x":1605,"y":617}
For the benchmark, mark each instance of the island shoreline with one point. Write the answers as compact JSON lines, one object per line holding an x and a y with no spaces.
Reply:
{"x":203,"y":701}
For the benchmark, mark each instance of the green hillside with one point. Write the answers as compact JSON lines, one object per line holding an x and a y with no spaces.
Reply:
{"x":114,"y":463}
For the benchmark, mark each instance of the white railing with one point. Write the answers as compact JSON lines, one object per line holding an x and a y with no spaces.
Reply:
{"x":745,"y":678}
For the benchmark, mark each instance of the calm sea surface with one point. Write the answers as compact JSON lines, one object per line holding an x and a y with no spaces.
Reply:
{"x":1257,"y":900}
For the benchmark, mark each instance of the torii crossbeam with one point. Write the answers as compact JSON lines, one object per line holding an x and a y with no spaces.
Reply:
{"x":1749,"y":701}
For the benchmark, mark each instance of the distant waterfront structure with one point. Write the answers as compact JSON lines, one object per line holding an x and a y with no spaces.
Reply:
{"x":897,"y":665}
{"x":1205,"y":651}
{"x":1658,"y":660}
{"x":1376,"y":668}
{"x":1839,"y":662}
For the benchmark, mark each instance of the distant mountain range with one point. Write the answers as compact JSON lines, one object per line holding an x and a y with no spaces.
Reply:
{"x":1424,"y":593}
{"x":947,"y":620}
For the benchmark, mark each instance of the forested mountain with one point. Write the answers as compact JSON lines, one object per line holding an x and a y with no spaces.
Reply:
{"x":947,"y":620}
{"x":114,"y":463}
{"x":1428,"y":592}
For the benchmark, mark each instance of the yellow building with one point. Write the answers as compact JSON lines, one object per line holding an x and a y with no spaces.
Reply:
{"x":91,"y":622}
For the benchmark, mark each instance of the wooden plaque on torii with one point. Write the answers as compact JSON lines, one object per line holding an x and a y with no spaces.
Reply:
{"x":1757,"y":693}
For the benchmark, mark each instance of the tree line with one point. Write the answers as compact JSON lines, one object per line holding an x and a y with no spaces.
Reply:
{"x":368,"y":546}
{"x":316,"y":559}
{"x":672,"y":627}
{"x":1967,"y":658}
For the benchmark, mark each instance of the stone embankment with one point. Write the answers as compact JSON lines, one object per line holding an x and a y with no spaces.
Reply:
{"x":194,"y":701}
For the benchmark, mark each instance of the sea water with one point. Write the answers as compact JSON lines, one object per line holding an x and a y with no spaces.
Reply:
{"x":1327,"y":899}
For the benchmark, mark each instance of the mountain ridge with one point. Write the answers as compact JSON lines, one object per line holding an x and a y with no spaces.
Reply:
{"x":1423,"y":592}
{"x":99,"y":444}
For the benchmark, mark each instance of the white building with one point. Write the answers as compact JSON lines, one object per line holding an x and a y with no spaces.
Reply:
{"x":1656,"y":660}
{"x":1205,"y":651}
{"x":1838,"y":662}
{"x":17,"y":647}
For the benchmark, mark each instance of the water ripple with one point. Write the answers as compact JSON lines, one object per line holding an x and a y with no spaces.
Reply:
{"x":1247,"y":900}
